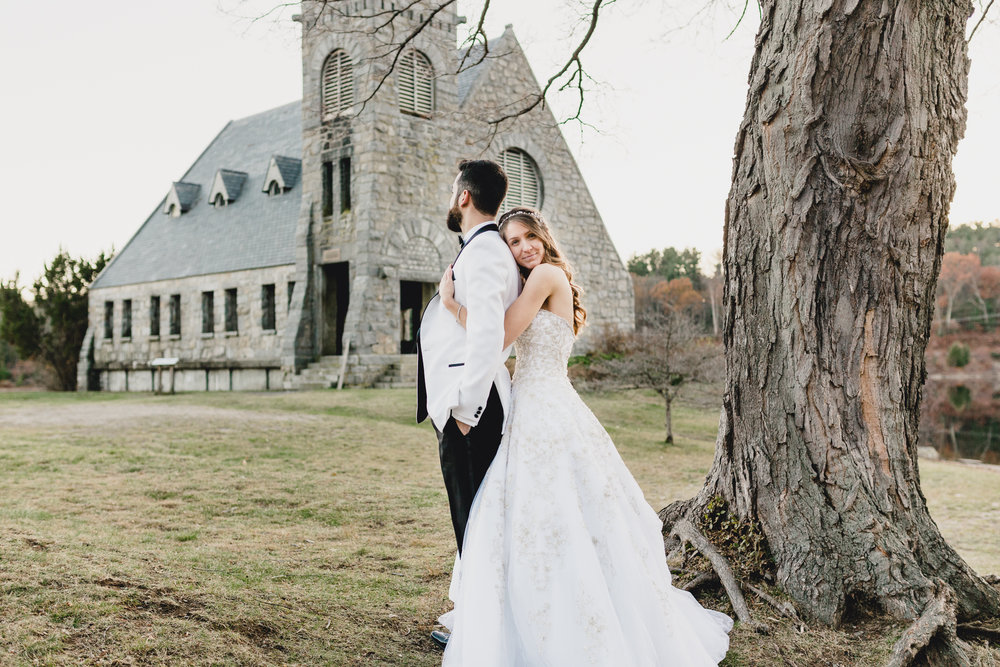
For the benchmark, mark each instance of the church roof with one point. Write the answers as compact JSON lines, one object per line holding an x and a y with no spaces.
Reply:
{"x":473,"y":69}
{"x":253,"y":231}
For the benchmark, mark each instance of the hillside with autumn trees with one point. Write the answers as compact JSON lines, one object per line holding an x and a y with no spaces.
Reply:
{"x":960,"y":412}
{"x":677,"y":339}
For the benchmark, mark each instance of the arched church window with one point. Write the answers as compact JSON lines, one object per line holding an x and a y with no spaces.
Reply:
{"x":524,"y":183}
{"x":274,"y":190}
{"x":338,"y":84}
{"x":220,"y":200}
{"x":415,"y":83}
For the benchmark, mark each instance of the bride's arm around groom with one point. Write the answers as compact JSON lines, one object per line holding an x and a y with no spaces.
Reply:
{"x":485,"y":274}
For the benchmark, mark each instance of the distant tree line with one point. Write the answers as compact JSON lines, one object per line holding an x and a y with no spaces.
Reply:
{"x":968,"y":291}
{"x":678,"y":315}
{"x":8,"y":357}
{"x":51,"y":325}
{"x":675,"y":340}
{"x":672,"y":279}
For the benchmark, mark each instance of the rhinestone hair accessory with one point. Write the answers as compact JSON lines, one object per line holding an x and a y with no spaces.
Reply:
{"x":520,"y":212}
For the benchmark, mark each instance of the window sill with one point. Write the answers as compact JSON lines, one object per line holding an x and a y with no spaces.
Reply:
{"x":174,"y":337}
{"x":416,"y":114}
{"x":126,"y":339}
{"x":231,"y":334}
{"x":270,"y":332}
{"x":210,"y":334}
{"x":154,"y":337}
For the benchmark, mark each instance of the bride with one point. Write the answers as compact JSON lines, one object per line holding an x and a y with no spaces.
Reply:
{"x":562,"y":561}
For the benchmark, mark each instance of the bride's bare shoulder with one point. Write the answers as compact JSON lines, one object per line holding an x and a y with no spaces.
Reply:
{"x":547,"y":273}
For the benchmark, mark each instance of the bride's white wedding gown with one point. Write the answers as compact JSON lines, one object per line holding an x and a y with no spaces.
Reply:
{"x":563,"y":561}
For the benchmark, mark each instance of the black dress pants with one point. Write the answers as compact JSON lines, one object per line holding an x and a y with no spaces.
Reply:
{"x":466,"y":458}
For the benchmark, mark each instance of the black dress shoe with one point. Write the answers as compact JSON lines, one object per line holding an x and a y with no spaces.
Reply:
{"x":440,"y":638}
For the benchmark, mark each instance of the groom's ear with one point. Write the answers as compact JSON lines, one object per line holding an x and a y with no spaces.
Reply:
{"x":464,"y":197}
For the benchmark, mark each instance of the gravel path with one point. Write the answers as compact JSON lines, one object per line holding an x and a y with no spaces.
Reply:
{"x":29,"y":413}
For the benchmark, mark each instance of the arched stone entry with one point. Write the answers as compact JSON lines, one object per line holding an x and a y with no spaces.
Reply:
{"x":421,"y":252}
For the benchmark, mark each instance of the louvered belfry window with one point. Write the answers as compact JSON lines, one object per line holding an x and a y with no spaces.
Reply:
{"x":524,"y":186}
{"x":338,"y":84}
{"x":416,"y":83}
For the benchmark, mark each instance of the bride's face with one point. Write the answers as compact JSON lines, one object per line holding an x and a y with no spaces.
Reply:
{"x":526,"y":247}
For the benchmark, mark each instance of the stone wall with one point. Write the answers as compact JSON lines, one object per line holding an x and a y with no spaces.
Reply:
{"x":402,"y":168}
{"x":566,"y":202}
{"x":217,"y":360}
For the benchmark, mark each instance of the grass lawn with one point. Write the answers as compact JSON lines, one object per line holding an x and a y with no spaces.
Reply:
{"x":302,"y":528}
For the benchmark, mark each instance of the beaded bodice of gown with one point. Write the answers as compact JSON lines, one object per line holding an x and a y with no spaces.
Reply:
{"x":543,"y":350}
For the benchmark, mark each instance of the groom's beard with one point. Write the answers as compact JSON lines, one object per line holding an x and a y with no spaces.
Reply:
{"x":455,"y":219}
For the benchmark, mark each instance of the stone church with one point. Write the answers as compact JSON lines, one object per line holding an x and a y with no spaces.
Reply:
{"x":304,"y":241}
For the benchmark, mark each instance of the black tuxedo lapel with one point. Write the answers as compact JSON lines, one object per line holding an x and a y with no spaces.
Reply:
{"x":465,"y":243}
{"x":421,"y":386}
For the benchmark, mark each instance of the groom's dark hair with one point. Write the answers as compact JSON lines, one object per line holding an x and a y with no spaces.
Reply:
{"x":486,"y":183}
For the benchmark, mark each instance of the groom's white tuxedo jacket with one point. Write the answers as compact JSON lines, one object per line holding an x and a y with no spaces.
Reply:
{"x":461,"y":364}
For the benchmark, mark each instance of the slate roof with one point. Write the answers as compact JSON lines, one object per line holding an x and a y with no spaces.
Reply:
{"x":252,"y":232}
{"x":467,"y":77}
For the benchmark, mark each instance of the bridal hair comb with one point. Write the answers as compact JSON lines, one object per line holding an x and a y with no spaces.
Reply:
{"x":517,"y":212}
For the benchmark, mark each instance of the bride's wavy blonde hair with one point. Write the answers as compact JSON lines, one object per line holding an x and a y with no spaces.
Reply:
{"x":533,"y":220}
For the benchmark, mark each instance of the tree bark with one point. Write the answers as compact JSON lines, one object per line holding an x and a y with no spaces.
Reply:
{"x":834,"y":235}
{"x":668,"y":422}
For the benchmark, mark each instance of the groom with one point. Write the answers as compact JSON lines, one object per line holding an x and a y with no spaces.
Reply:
{"x":462,"y":381}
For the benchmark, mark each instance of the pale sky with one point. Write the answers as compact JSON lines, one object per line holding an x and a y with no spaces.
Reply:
{"x":105,"y":103}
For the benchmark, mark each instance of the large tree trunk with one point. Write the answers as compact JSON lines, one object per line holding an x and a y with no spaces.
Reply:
{"x":835,"y":230}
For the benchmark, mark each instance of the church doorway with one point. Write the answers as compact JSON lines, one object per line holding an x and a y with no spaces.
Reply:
{"x":413,"y":297}
{"x":336,"y":291}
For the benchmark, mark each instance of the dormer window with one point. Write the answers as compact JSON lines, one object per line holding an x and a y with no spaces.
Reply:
{"x":181,"y":198}
{"x":226,"y":187}
{"x":282,"y":175}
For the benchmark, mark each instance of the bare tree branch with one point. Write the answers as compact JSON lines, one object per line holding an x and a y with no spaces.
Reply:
{"x":573,"y":62}
{"x":473,"y":39}
{"x":982,"y":17}
{"x":746,"y":4}
{"x":384,"y":24}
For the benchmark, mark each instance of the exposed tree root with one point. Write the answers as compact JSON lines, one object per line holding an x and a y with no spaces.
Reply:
{"x":700,"y":580}
{"x":976,"y":631}
{"x":675,"y":552}
{"x":933,"y":633}
{"x":670,"y":515}
{"x":686,"y":531}
{"x":784,"y":608}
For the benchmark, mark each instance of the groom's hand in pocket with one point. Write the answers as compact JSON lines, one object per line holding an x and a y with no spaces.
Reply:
{"x":463,"y":428}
